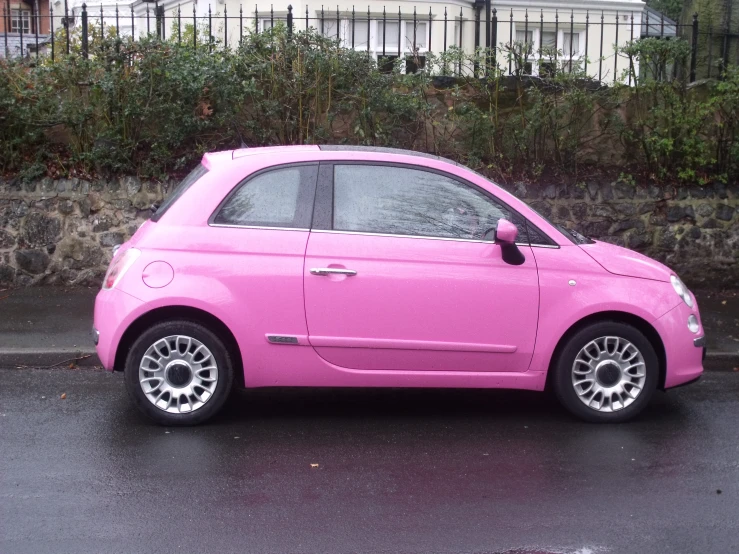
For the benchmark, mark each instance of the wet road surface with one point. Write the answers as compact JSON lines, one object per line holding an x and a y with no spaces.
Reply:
{"x":397,"y":472}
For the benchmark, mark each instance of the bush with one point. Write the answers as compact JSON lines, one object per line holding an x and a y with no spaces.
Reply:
{"x":153,"y":107}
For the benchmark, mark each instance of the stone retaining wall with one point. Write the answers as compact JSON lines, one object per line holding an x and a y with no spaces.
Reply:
{"x":63,"y":231}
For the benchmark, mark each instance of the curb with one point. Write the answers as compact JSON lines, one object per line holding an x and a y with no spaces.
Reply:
{"x":53,"y":357}
{"x":48,"y":357}
{"x":721,"y":361}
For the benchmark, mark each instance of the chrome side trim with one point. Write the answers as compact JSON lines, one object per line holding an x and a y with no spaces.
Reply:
{"x":257,"y":227}
{"x":282,"y":339}
{"x":332,"y":231}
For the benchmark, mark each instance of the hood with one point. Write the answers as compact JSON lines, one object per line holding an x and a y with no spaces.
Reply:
{"x":622,"y":261}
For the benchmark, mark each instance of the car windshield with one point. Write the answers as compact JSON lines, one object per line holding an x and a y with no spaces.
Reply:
{"x":179,"y":190}
{"x":571,"y":234}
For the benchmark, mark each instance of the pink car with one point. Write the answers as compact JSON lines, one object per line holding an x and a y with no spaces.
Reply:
{"x":334,"y":266}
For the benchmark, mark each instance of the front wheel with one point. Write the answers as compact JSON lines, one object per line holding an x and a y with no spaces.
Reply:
{"x":606,"y":372}
{"x":178,"y":373}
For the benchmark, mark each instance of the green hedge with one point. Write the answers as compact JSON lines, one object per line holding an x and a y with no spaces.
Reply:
{"x":152,"y":108}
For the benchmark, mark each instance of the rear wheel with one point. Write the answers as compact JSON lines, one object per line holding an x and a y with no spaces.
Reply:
{"x":178,"y":373}
{"x":606,"y":372}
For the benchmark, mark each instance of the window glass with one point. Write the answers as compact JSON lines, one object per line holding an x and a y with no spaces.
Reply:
{"x":571,"y":40}
{"x":272,"y":199}
{"x":420,"y":35}
{"x":18,"y":16}
{"x":524,"y":36}
{"x":403,"y":201}
{"x":360,"y":34}
{"x":390,"y":34}
{"x":526,"y":41}
{"x":330,"y":28}
{"x":548,"y":40}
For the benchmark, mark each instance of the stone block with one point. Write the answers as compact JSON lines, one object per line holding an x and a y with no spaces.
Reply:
{"x":32,"y":261}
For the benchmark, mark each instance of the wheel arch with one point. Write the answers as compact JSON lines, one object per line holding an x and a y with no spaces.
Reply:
{"x":635,"y":321}
{"x":165,"y":313}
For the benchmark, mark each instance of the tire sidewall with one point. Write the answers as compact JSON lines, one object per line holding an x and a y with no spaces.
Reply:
{"x":196,"y":331}
{"x":563,"y":371}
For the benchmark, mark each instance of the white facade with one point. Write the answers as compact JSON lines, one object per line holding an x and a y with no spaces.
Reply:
{"x":569,"y":25}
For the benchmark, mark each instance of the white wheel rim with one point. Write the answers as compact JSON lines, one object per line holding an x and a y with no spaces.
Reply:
{"x":178,"y":374}
{"x":608,"y":374}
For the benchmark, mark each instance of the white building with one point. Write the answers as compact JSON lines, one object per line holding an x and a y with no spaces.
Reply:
{"x":581,"y":31}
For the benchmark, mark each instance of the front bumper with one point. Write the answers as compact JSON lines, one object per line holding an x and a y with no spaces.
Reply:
{"x":684,"y":350}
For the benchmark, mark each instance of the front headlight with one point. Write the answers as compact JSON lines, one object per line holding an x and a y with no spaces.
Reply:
{"x":681,"y":290}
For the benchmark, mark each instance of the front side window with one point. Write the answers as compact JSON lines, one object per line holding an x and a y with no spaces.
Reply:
{"x":404,"y":201}
{"x":277,"y":198}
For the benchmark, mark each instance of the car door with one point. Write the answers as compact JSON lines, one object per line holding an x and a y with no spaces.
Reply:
{"x":399,"y":275}
{"x":256,"y":245}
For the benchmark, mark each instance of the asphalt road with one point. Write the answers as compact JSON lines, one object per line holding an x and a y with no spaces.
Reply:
{"x":397,"y":472}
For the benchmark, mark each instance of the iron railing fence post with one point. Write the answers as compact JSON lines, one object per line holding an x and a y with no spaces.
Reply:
{"x":510,"y":44}
{"x":445,"y":27}
{"x":461,"y":28}
{"x":37,"y":22}
{"x":525,"y":41}
{"x":694,"y":47}
{"x":84,"y":31}
{"x":476,"y":65}
{"x":615,"y":53}
{"x":600,"y":55}
{"x":572,"y":36}
{"x":587,"y":35}
{"x":51,"y":30}
{"x":493,"y":55}
{"x":6,"y":21}
{"x":289,"y":22}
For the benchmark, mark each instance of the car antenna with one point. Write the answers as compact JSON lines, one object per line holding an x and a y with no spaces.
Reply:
{"x":241,"y":138}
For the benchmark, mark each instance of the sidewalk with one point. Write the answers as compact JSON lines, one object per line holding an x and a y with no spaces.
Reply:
{"x":51,"y":326}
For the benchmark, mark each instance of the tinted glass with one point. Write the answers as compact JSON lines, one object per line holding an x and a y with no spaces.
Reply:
{"x":278,"y":198}
{"x":179,"y":190}
{"x":403,"y":201}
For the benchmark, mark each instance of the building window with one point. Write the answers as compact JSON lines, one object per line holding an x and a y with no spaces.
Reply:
{"x":544,"y":52}
{"x":18,"y":18}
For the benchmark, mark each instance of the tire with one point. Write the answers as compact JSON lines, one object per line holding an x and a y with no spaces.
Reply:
{"x":188,"y":367}
{"x":600,"y":367}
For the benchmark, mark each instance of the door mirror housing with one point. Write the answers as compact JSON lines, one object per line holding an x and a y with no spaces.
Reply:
{"x":506,"y":232}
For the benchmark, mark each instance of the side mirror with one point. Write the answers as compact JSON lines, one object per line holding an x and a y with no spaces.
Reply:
{"x":506,"y":232}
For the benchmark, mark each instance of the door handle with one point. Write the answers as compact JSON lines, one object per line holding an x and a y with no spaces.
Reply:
{"x":332,"y":271}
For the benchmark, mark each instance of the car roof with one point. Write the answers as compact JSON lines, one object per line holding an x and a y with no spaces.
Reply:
{"x":216,"y":158}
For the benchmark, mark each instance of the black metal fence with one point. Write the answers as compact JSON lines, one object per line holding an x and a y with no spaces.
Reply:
{"x":536,"y":43}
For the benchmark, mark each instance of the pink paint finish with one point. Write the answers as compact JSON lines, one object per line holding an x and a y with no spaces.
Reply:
{"x":157,"y":275}
{"x":622,"y":261}
{"x":506,"y":232}
{"x":419,"y":312}
{"x":459,"y":300}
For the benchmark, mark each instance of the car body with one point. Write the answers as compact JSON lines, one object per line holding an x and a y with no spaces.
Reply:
{"x":366,"y":267}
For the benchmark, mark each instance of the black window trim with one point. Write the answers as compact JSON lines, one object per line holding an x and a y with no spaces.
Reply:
{"x":310,"y":208}
{"x":324,"y":206}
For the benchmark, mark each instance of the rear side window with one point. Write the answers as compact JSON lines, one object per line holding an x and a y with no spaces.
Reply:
{"x":179,"y":190}
{"x":280,"y":197}
{"x":404,"y":201}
